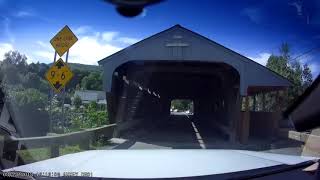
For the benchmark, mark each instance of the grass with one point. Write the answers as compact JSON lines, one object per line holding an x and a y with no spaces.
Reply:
{"x":69,"y":150}
{"x":39,"y":154}
{"x":32,"y":155}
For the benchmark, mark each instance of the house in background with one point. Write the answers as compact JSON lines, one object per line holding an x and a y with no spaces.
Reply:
{"x":88,"y":96}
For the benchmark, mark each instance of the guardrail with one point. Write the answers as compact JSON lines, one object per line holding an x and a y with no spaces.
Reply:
{"x":10,"y":144}
{"x":311,"y":142}
{"x":301,"y":136}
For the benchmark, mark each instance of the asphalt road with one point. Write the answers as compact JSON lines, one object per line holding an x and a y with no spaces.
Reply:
{"x":185,"y":133}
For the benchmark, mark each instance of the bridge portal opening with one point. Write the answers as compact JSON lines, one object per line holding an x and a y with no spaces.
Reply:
{"x":181,"y":106}
{"x":143,"y":92}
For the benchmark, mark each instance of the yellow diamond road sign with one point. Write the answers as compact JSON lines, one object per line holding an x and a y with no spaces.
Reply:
{"x":63,"y":40}
{"x":58,"y":75}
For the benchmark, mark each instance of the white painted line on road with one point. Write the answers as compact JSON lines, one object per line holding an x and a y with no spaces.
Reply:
{"x":195,"y":130}
{"x":154,"y":94}
{"x":198,"y":135}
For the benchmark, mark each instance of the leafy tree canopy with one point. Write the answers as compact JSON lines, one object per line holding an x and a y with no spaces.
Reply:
{"x":93,"y":81}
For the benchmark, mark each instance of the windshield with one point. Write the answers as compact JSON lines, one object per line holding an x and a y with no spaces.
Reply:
{"x":78,"y":76}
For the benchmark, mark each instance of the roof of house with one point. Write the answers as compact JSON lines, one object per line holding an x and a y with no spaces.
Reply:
{"x":90,"y":95}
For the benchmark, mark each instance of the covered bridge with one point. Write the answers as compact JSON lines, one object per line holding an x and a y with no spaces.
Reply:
{"x":141,"y":80}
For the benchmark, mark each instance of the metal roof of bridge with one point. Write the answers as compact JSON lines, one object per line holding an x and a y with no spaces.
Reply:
{"x":180,"y":44}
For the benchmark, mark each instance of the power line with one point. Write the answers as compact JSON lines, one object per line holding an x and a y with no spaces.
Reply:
{"x":306,"y":52}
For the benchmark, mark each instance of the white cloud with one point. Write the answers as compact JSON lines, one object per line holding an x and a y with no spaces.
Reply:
{"x":109,"y":35}
{"x":24,"y":13}
{"x":315,"y":69}
{"x":90,"y":49}
{"x":304,"y":59}
{"x":5,"y":47}
{"x":144,"y":13}
{"x":47,"y":55}
{"x":262,"y":58}
{"x":7,"y":30}
{"x":82,"y":30}
{"x":91,"y":46}
{"x":43,"y":52}
{"x":43,"y":44}
{"x":253,"y":13}
{"x":127,"y":40}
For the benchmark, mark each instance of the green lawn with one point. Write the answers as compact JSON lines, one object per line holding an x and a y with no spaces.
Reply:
{"x":34,"y":155}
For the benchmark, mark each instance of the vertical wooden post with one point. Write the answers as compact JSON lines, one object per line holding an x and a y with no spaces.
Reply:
{"x":263,"y":102}
{"x":111,"y":107}
{"x":9,"y":155}
{"x":276,"y":119}
{"x":235,"y":116}
{"x":120,"y":116}
{"x":54,"y":150}
{"x":121,"y":108}
{"x":287,"y":97}
{"x":254,"y":102}
{"x":278,"y":103}
{"x":245,"y":128}
{"x":85,"y":144}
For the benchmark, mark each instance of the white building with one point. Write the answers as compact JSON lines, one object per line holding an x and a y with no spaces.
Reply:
{"x":88,"y":96}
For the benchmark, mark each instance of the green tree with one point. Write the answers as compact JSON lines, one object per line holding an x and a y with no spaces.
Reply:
{"x":181,"y":104}
{"x":291,"y":69}
{"x":34,"y":67}
{"x":279,"y":65}
{"x":44,"y":86}
{"x":94,"y":117}
{"x":28,"y":98}
{"x":12,"y":66}
{"x":31,"y":80}
{"x":77,"y":78}
{"x":90,"y":117}
{"x":15,"y":58}
{"x":77,"y":102}
{"x":306,"y":76}
{"x":93,"y":81}
{"x":43,"y":68}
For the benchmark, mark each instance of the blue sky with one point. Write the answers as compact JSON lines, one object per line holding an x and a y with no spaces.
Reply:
{"x":254,"y":28}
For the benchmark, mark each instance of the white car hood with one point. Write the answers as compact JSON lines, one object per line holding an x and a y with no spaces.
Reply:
{"x":159,"y":163}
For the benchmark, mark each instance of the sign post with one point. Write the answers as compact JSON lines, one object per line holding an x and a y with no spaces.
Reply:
{"x":64,"y":93}
{"x":59,"y":74}
{"x":51,"y":97}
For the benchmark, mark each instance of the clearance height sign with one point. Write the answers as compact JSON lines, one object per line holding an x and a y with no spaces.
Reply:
{"x":58,"y":75}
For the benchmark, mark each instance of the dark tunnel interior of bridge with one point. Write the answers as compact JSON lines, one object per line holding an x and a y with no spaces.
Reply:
{"x":142,"y":92}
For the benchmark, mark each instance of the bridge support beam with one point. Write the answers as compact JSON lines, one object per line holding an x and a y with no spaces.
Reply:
{"x":234,"y":110}
{"x":111,"y":107}
{"x":245,"y":122}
